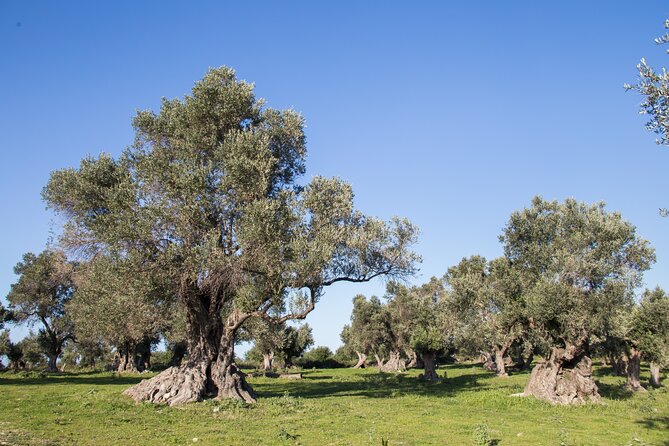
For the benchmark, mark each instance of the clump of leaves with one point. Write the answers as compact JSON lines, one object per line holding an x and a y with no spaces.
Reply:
{"x":285,"y":435}
{"x":287,"y":402}
{"x":563,"y":438}
{"x":481,"y":435}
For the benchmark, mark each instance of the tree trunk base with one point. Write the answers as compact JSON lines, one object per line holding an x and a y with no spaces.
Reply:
{"x":173,"y":386}
{"x":233,"y":385}
{"x":187,"y":384}
{"x":430,"y":365}
{"x":394,"y":364}
{"x":567,"y":383}
{"x":634,"y":372}
{"x":362,"y":359}
{"x":654,"y":375}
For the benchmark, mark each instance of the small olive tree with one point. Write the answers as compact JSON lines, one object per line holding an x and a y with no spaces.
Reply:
{"x":424,"y":320}
{"x":648,"y":337}
{"x":40,"y":295}
{"x":118,"y":304}
{"x":488,"y":297}
{"x":369,"y":332}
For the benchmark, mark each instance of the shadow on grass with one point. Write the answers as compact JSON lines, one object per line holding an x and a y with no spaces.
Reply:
{"x":380,"y":385}
{"x":660,"y":423}
{"x":87,"y":378}
{"x":614,"y":391}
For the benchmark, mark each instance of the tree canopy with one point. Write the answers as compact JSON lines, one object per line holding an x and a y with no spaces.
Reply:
{"x":208,"y":195}
{"x":44,"y":288}
{"x":580,"y":264}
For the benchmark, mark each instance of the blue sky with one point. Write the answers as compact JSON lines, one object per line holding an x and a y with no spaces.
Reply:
{"x":453,"y":114}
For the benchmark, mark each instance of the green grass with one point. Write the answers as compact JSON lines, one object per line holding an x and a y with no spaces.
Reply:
{"x":328,"y":407}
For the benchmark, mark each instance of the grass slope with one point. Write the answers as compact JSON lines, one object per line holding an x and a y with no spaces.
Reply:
{"x":327,"y":407}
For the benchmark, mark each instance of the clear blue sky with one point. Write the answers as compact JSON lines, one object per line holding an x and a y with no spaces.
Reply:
{"x":453,"y":114}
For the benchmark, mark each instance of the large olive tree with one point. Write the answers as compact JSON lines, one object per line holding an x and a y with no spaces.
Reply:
{"x":583,"y":264}
{"x":208,"y":196}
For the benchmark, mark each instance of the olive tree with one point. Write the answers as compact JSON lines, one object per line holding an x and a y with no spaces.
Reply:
{"x":12,"y":351}
{"x":208,"y":197}
{"x":369,"y":332}
{"x":654,"y":87}
{"x":425,"y":320}
{"x":582,"y":263}
{"x":648,"y":337}
{"x":277,"y":340}
{"x":488,"y":295}
{"x":118,"y":304}
{"x":40,"y":295}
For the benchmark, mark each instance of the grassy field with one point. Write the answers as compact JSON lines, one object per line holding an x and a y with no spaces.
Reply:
{"x":328,"y":407}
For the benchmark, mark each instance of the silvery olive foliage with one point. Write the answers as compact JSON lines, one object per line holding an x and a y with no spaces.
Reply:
{"x":654,"y":87}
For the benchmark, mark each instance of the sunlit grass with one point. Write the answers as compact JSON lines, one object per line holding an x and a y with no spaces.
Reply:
{"x":328,"y":407}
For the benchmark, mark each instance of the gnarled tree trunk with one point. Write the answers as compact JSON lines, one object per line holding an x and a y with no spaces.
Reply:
{"x":488,"y":361}
{"x":178,"y":352}
{"x":362,"y":358}
{"x":142,"y":355}
{"x":655,"y":375}
{"x":267,"y":359}
{"x":379,"y":361}
{"x":618,"y":364}
{"x":124,"y":359}
{"x":395,"y":363}
{"x":564,"y":378}
{"x":53,"y":363}
{"x":634,"y":371}
{"x":210,"y":370}
{"x":430,"y":366}
{"x":501,"y":359}
{"x":416,"y":361}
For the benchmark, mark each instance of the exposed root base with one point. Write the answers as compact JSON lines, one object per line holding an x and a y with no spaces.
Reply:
{"x":234,"y":386}
{"x":635,"y":388}
{"x":430,"y":377}
{"x":567,"y":384}
{"x":394,"y":365}
{"x":174,"y":386}
{"x":187,"y":384}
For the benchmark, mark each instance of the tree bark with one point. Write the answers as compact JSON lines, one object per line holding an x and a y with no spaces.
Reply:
{"x":488,"y":362}
{"x":526,"y":363}
{"x":362,"y":358}
{"x":267,"y":359}
{"x":210,"y":370}
{"x":124,"y":359}
{"x":430,"y":366}
{"x":416,"y":361}
{"x":395,"y":363}
{"x":178,"y":352}
{"x":379,"y":361}
{"x":500,"y":364}
{"x":618,"y":364}
{"x":654,"y":375}
{"x":53,"y":361}
{"x":634,"y":371}
{"x":564,"y":378}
